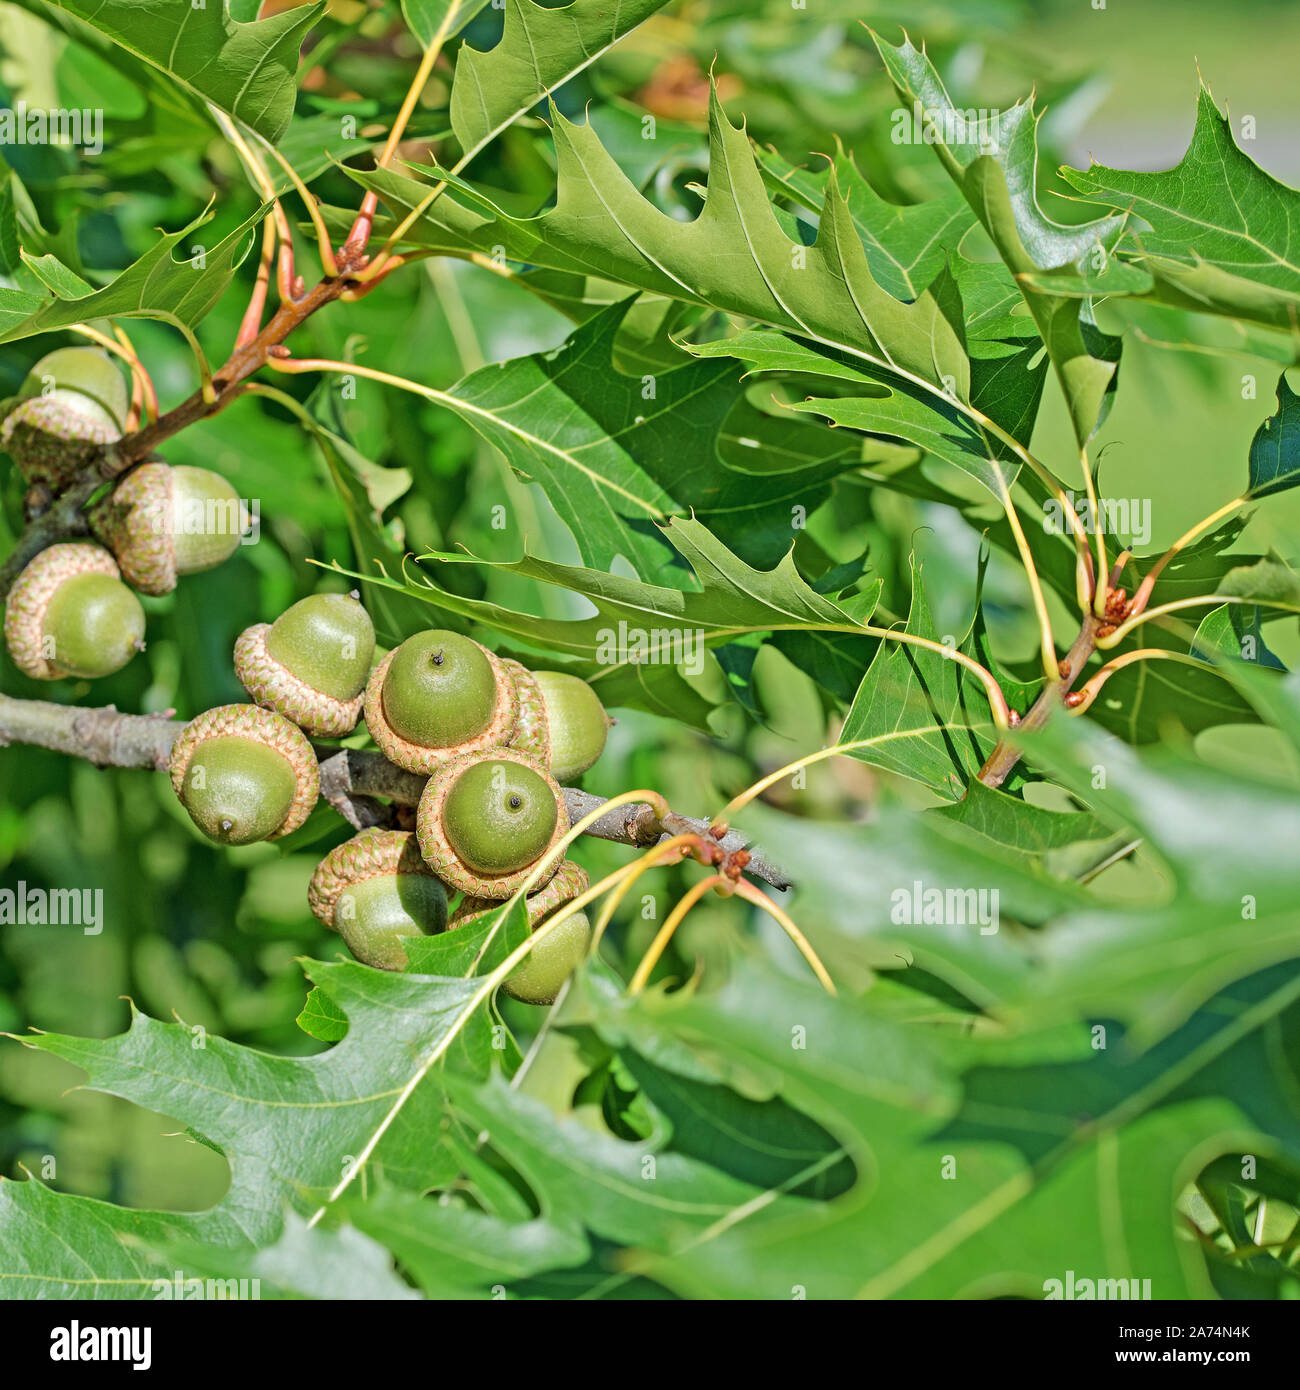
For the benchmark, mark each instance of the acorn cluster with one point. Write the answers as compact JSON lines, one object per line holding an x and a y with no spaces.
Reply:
{"x":493,"y":739}
{"x":72,"y":611}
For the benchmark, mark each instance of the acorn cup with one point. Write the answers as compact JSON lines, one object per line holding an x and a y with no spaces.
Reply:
{"x":555,"y":957}
{"x":374,"y":890}
{"x":311,"y":664}
{"x":73,"y":401}
{"x":244,"y":773}
{"x":163,"y":521}
{"x":485,"y":819}
{"x":436,"y":697}
{"x":68,"y":614}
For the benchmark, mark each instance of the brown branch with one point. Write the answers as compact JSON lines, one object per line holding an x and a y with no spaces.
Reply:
{"x":354,"y":781}
{"x":1004,"y":757}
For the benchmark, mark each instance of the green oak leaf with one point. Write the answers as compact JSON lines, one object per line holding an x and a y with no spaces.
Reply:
{"x":993,"y":161}
{"x":290,"y":1127}
{"x":247,"y":69}
{"x":541,"y":48}
{"x":1275,"y":449}
{"x":1217,"y":233}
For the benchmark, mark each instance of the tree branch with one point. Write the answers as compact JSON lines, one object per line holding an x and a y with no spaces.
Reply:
{"x":356,"y":782}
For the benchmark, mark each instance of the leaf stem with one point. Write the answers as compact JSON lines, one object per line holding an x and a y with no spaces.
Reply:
{"x":1079,"y":701}
{"x":665,"y":933}
{"x":782,"y":918}
{"x":1112,"y":639}
{"x":1142,"y":593}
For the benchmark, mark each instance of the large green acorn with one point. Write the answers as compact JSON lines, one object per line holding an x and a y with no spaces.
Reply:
{"x":162,"y":522}
{"x":555,"y":957}
{"x":68,"y":614}
{"x":244,"y":774}
{"x":561,"y":720}
{"x":374,"y":890}
{"x":73,"y":401}
{"x":485,"y":819}
{"x":311,"y":664}
{"x":437,"y":696}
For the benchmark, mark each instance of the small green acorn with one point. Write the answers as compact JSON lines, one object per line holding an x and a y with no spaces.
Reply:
{"x":163,"y":521}
{"x":68,"y":614}
{"x":555,"y":957}
{"x":485,"y":819}
{"x":437,"y":696}
{"x":244,"y":773}
{"x":561,"y":721}
{"x":374,"y":890}
{"x":311,"y":664}
{"x":73,"y":401}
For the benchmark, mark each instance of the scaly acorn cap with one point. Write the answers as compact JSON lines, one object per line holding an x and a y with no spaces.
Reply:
{"x":532,"y":731}
{"x":416,"y":757}
{"x":73,"y":401}
{"x":570,"y":880}
{"x":330,"y":639}
{"x":437,"y":848}
{"x":260,"y":726}
{"x":33,"y":592}
{"x":372,"y":854}
{"x":162,"y":522}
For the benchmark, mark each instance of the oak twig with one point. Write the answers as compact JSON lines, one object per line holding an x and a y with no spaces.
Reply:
{"x":356,"y":782}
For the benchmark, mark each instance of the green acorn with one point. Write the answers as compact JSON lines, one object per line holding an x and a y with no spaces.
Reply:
{"x":311,"y":664}
{"x":68,"y":614}
{"x":555,"y":957}
{"x":485,"y":819}
{"x":162,"y":522}
{"x":437,"y":696}
{"x":244,"y":774}
{"x":561,"y":721}
{"x":73,"y":401}
{"x":375,"y":889}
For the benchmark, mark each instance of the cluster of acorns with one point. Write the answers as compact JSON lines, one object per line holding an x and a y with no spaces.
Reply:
{"x":70,"y":613}
{"x":493,"y":738}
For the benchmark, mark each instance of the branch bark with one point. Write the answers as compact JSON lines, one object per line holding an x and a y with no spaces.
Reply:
{"x":356,"y":782}
{"x":1002,"y":760}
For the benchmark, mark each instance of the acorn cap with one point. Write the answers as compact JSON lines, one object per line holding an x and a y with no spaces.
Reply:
{"x":29,"y":600}
{"x":276,"y":687}
{"x":570,"y":880}
{"x":532,"y":729}
{"x":52,"y":434}
{"x":437,"y":849}
{"x":415,"y":757}
{"x":51,"y":440}
{"x":371,"y":854}
{"x":147,"y":522}
{"x":260,"y":726}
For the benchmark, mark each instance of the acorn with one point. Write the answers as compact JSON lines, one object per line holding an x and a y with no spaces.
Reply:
{"x":561,"y":721}
{"x":546,"y":967}
{"x":311,"y":664}
{"x":73,"y":401}
{"x":69,"y":614}
{"x":485,"y":819}
{"x":244,"y":774}
{"x":437,"y":696}
{"x":375,"y":889}
{"x":163,"y":521}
